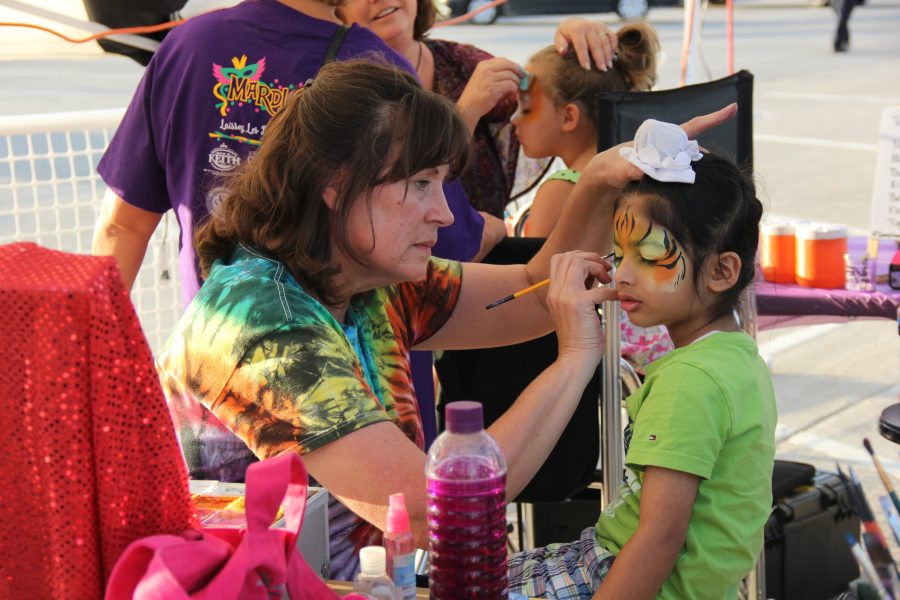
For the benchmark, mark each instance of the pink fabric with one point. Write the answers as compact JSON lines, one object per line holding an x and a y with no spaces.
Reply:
{"x":256,"y":563}
{"x":90,"y":460}
{"x":643,"y":345}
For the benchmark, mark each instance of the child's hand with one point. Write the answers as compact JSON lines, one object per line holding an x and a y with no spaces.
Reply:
{"x":572,"y":300}
{"x":491,"y":80}
{"x":590,"y":39}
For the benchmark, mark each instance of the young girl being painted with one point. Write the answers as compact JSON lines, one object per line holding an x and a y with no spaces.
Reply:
{"x":557,"y":117}
{"x":699,"y":445}
{"x":557,"y":113}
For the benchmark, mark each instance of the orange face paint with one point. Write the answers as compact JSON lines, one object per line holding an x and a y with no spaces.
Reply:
{"x":659,"y":256}
{"x":536,"y":122}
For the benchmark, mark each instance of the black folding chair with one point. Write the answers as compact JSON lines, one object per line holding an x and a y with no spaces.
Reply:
{"x":621,"y":113}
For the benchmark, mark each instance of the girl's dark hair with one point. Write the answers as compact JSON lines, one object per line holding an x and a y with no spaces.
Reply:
{"x":633,"y":70}
{"x":426,"y":14}
{"x":717,"y":213}
{"x":357,"y":125}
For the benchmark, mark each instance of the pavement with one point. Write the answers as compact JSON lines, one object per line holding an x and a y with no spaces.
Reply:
{"x":816,"y":117}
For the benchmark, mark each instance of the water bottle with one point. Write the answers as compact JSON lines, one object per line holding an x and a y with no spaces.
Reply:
{"x":373,"y":580}
{"x":466,"y":480}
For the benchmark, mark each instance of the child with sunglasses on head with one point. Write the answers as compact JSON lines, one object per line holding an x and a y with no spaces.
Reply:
{"x":557,"y":112}
{"x":699,"y":444}
{"x":557,"y":117}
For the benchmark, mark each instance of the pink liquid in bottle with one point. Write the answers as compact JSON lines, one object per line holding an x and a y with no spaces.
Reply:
{"x":466,"y":479}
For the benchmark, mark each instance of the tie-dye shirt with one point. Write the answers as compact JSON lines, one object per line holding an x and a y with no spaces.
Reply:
{"x":256,"y":355}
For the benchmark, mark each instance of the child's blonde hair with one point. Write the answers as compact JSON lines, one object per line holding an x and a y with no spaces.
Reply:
{"x":634,"y":69}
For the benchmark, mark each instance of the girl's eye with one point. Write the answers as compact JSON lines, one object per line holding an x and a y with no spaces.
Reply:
{"x":647,"y":261}
{"x":617,"y":254}
{"x":421,"y":185}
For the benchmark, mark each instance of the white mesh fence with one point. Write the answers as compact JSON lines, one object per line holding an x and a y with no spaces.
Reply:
{"x":50,"y":194}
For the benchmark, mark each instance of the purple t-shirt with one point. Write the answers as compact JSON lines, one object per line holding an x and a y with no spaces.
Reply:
{"x":204,"y":101}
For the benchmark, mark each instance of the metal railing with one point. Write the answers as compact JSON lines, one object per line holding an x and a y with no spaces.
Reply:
{"x":50,"y":194}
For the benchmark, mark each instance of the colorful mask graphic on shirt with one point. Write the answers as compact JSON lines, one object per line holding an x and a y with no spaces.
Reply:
{"x":240,"y":86}
{"x":658,"y":251}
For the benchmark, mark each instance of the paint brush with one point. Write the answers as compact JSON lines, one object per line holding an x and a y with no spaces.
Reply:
{"x":891,"y":515}
{"x":867,"y":568}
{"x":888,"y":485}
{"x":530,"y":288}
{"x":868,"y":517}
{"x":859,"y":503}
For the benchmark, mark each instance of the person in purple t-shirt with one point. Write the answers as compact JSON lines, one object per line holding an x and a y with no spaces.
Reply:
{"x":200,"y":111}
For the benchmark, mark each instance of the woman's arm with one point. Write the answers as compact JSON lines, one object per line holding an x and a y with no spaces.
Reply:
{"x":364,"y":479}
{"x":586,"y":221}
{"x":667,"y":500}
{"x":123,"y":231}
{"x":585,"y":224}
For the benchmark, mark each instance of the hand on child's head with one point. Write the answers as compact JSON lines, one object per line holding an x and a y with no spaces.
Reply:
{"x":615,"y":171}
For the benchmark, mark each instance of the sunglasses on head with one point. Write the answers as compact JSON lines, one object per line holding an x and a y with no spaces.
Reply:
{"x":526,"y":81}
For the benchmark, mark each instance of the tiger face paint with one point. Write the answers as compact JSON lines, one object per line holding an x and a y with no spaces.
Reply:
{"x":659,"y":259}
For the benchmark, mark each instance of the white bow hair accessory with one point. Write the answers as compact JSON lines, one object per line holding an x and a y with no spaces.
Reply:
{"x":663,"y":151}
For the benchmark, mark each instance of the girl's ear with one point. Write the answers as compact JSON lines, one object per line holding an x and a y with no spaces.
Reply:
{"x":333,"y":188}
{"x":723,"y":271}
{"x":571,"y":117}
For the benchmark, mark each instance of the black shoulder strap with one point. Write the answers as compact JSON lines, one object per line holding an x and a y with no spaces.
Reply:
{"x":336,"y":40}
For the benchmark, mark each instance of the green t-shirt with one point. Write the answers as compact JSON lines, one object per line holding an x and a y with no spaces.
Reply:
{"x":706,"y":409}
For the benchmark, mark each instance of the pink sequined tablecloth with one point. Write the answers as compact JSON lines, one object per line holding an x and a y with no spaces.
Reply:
{"x":90,"y":461}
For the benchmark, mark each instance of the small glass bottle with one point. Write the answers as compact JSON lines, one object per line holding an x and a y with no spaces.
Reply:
{"x":373,"y":580}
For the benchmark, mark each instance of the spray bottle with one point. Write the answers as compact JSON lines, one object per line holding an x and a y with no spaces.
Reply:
{"x":401,"y":548}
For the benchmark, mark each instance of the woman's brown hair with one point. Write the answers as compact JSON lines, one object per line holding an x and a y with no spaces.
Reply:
{"x":358,"y":125}
{"x":426,"y":14}
{"x":634,"y":69}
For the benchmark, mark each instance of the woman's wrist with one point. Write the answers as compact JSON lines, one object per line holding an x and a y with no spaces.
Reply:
{"x":597,"y":173}
{"x":469,"y":114}
{"x":578,"y":363}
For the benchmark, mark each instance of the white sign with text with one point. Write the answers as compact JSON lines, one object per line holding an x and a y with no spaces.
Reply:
{"x":886,"y":193}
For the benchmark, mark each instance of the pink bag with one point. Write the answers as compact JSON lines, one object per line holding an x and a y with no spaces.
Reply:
{"x":222,"y":564}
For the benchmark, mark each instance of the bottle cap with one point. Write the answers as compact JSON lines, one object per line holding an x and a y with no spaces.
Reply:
{"x":397,"y":517}
{"x":464,"y":417}
{"x":372,"y":560}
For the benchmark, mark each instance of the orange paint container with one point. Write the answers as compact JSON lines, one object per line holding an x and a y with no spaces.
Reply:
{"x":777,"y":251}
{"x":820,"y":255}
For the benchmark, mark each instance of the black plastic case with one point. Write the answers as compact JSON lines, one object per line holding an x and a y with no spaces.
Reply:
{"x":807,"y":556}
